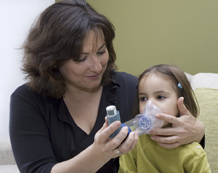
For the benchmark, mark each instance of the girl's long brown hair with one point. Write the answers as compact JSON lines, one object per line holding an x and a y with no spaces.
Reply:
{"x":176,"y":75}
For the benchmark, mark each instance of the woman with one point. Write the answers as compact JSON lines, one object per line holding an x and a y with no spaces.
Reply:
{"x":57,"y":119}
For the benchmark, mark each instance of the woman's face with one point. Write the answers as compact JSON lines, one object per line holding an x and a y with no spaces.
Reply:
{"x":160,"y":91}
{"x":86,"y":73}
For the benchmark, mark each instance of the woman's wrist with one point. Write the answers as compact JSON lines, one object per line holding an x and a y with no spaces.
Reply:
{"x":200,"y":129}
{"x":98,"y":153}
{"x":89,"y":160}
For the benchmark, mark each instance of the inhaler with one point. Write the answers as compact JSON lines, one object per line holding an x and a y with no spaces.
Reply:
{"x":143,"y":122}
{"x":113,"y":115}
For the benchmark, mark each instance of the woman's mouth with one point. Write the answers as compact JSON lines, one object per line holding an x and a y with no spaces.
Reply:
{"x":93,"y":77}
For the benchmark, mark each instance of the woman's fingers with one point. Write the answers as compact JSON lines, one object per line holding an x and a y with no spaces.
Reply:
{"x":167,"y":142}
{"x":106,"y":144}
{"x":104,"y":133}
{"x":185,"y":115}
{"x":182,"y":108}
{"x":163,"y":132}
{"x":118,"y":139}
{"x":109,"y":146}
{"x":184,"y":130}
{"x":129,"y":143}
{"x":168,"y":118}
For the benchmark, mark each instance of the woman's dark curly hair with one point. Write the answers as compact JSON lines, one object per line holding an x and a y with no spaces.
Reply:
{"x":58,"y":36}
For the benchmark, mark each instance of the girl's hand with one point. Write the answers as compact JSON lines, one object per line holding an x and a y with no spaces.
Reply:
{"x":116,"y":146}
{"x":184,"y":130}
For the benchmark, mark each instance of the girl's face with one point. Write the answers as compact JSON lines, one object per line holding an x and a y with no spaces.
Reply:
{"x":86,"y":73}
{"x":160,"y":91}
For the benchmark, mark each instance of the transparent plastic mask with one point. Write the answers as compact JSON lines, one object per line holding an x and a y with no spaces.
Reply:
{"x":146,"y":121}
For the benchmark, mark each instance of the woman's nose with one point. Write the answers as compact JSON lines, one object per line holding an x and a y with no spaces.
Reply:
{"x":96,"y":65}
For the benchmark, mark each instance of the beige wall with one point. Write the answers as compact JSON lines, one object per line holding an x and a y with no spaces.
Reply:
{"x":179,"y":32}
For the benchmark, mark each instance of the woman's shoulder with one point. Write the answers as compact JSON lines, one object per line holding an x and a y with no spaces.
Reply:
{"x":123,"y":77}
{"x":24,"y":92}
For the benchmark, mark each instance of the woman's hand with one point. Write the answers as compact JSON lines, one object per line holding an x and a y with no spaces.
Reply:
{"x":116,"y":146}
{"x":101,"y":151}
{"x":184,"y":130}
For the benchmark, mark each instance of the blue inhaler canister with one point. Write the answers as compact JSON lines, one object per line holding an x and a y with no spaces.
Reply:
{"x":113,"y":115}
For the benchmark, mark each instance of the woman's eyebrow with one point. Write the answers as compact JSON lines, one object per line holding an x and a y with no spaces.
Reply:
{"x":102,"y":46}
{"x":98,"y":49}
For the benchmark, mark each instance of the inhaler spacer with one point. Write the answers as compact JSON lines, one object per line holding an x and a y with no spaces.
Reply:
{"x":146,"y":121}
{"x":143,"y":122}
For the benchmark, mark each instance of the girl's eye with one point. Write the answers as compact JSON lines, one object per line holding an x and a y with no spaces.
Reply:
{"x":161,"y":97}
{"x":142,"y":99}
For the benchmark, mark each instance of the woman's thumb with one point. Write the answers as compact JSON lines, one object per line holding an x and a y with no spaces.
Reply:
{"x":182,"y":108}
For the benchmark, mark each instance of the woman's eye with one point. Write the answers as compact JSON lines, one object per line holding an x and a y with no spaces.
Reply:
{"x":161,"y":97}
{"x":81,"y":59}
{"x":101,"y":52}
{"x":142,"y":99}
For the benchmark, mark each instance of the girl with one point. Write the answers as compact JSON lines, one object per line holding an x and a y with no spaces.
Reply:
{"x":167,"y":87}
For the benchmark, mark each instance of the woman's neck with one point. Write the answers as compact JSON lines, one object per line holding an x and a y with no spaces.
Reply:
{"x":83,"y":107}
{"x":78,"y":93}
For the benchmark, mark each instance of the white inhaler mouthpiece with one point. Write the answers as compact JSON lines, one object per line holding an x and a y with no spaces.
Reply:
{"x":146,"y":121}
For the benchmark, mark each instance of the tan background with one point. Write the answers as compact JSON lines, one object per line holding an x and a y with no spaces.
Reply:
{"x":149,"y":32}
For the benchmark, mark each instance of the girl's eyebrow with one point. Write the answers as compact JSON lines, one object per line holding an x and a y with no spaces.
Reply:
{"x":141,"y":93}
{"x":162,"y":91}
{"x":157,"y":92}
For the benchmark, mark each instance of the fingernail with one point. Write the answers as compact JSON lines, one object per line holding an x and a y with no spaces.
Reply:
{"x":125,"y":128}
{"x":117,"y":123}
{"x":157,"y":115}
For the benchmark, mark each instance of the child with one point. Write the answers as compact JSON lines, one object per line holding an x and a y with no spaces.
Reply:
{"x":165,"y":85}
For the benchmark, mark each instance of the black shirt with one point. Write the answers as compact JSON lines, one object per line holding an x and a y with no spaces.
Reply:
{"x":43,"y":133}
